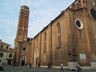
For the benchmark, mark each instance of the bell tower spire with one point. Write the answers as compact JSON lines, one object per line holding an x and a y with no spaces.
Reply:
{"x":21,"y":36}
{"x":22,"y":29}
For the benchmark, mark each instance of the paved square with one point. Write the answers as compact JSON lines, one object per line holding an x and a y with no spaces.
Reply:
{"x":34,"y":69}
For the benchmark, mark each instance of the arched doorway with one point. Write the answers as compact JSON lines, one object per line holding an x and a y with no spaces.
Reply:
{"x":36,"y":57}
{"x":22,"y":62}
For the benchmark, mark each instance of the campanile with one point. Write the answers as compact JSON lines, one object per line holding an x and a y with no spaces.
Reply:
{"x":21,"y":36}
{"x":22,"y":29}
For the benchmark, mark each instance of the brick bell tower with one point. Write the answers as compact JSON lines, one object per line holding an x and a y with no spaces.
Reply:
{"x":21,"y":36}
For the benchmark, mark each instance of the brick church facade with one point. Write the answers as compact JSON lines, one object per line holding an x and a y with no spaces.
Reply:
{"x":68,"y":39}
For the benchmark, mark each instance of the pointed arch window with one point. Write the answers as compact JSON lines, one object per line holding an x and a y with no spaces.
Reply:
{"x":20,"y":38}
{"x":58,"y":35}
{"x":93,"y":13}
{"x":25,"y":37}
{"x":45,"y":41}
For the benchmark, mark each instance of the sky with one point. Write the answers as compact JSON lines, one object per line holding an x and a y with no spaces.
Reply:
{"x":41,"y":13}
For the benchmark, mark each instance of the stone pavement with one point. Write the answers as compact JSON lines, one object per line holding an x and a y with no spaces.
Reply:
{"x":34,"y":69}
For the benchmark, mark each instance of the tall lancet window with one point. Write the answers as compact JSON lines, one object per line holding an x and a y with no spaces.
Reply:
{"x":25,"y":37}
{"x":58,"y":35}
{"x":45,"y":42}
{"x":19,"y":37}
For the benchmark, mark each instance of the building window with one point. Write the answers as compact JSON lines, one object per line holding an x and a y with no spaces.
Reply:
{"x":58,"y":35}
{"x":93,"y":3}
{"x":41,"y":40}
{"x":10,"y":55}
{"x":20,"y":38}
{"x":1,"y":46}
{"x":6,"y":47}
{"x":24,"y":13}
{"x":24,"y":49}
{"x":45,"y":42}
{"x":93,"y":13}
{"x":25,"y":38}
{"x":79,"y":24}
{"x":1,"y":54}
{"x":0,"y":60}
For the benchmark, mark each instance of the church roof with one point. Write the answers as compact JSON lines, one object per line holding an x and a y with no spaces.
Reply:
{"x":52,"y":21}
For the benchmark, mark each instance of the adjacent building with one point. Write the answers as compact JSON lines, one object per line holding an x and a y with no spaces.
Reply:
{"x":6,"y":53}
{"x":68,"y":39}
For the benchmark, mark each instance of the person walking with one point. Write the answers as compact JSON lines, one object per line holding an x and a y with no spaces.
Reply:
{"x":78,"y":67}
{"x":30,"y":65}
{"x":61,"y":67}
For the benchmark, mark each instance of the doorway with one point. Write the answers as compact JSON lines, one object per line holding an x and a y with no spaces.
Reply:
{"x":22,"y":63}
{"x":9,"y":62}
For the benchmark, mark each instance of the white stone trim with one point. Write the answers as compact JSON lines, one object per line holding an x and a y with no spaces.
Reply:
{"x":81,"y":23}
{"x":85,"y":67}
{"x":72,"y":64}
{"x":44,"y":66}
{"x":93,"y":65}
{"x":93,"y":3}
{"x":59,"y":67}
{"x":67,"y":67}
